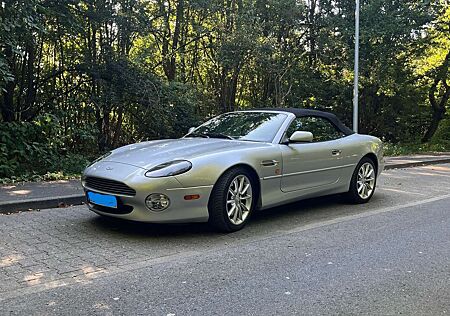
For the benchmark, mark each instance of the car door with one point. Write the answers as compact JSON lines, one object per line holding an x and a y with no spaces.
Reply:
{"x":315,"y":164}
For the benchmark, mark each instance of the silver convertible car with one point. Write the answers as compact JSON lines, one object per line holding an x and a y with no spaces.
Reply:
{"x":233,"y":165}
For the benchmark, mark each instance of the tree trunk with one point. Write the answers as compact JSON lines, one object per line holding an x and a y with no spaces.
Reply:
{"x":7,"y":104}
{"x":30,"y":97}
{"x":432,"y":128}
{"x":438,"y":107}
{"x":228,"y":89}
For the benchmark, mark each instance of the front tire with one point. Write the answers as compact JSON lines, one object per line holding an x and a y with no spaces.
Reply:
{"x":232,"y":200}
{"x":363,"y":183}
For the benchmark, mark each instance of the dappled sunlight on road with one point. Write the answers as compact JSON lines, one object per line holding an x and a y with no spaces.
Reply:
{"x":34,"y":278}
{"x":60,"y":247}
{"x":396,"y":176}
{"x":433,"y":174}
{"x":10,"y":260}
{"x":19,"y":192}
{"x":101,"y":306}
{"x":401,"y":191}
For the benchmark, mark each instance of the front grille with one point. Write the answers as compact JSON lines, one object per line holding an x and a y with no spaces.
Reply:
{"x":121,"y":209}
{"x":109,"y":186}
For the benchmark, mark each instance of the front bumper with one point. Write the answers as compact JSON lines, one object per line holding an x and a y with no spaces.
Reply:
{"x":134,"y":208}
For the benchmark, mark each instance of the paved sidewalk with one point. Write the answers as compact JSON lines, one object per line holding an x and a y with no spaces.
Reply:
{"x":33,"y":190}
{"x":37,"y":195}
{"x":41,"y":195}
{"x":416,"y":160}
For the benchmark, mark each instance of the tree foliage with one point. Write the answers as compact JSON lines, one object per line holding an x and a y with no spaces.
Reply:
{"x":110,"y":72}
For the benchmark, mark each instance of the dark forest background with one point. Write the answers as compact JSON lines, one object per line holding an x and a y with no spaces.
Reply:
{"x":80,"y":77}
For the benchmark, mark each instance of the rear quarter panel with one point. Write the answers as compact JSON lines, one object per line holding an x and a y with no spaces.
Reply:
{"x":354,"y":148}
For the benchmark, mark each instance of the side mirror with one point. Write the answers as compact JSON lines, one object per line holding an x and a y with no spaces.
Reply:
{"x":301,"y":137}
{"x":191,"y":129}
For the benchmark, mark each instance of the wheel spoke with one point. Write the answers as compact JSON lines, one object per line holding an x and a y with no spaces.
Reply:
{"x":236,"y":186}
{"x":240,"y":213}
{"x":244,"y":190}
{"x":241,"y":184}
{"x":360,"y":188}
{"x":231,"y":210}
{"x":366,"y":191}
{"x":368,"y":167}
{"x":235,"y":214}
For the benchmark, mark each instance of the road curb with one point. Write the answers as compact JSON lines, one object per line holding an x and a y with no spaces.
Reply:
{"x":78,"y":199}
{"x":41,"y":203}
{"x":416,"y":163}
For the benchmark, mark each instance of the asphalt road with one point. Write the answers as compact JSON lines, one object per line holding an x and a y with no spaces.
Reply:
{"x":321,"y":256}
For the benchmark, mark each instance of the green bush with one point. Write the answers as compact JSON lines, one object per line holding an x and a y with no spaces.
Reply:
{"x":32,"y":150}
{"x":442,"y":135}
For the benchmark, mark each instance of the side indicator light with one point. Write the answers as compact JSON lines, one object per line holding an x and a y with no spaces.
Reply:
{"x":192,"y":197}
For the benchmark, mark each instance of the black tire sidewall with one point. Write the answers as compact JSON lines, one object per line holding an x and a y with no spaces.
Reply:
{"x":217,"y":202}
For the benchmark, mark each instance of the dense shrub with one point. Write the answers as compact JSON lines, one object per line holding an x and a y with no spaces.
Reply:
{"x":36,"y":148}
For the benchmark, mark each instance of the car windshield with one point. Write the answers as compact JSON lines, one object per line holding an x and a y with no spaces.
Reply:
{"x":251,"y":126}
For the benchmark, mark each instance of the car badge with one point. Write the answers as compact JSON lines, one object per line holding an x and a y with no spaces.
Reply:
{"x":109,"y":168}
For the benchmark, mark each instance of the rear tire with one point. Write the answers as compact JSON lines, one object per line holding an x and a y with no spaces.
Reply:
{"x":363,"y":183}
{"x":232,"y":200}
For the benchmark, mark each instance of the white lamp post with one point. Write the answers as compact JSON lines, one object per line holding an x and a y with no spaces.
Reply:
{"x":355,"y":88}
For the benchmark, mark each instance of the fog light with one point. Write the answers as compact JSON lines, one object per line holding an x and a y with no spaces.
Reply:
{"x":157,"y":202}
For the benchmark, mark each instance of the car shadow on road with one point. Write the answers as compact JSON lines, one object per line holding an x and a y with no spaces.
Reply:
{"x":283,"y":217}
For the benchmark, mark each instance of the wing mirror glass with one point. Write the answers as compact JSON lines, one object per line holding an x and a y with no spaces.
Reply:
{"x":301,"y":137}
{"x":191,"y":129}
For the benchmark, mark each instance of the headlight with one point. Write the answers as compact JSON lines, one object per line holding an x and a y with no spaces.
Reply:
{"x":167,"y":169}
{"x":100,"y":158}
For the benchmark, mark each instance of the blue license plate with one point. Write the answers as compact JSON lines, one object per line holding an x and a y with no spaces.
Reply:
{"x":102,"y":199}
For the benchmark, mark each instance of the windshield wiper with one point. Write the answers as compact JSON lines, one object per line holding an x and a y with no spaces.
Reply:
{"x":218,"y":135}
{"x":210,"y":135}
{"x":197,"y":135}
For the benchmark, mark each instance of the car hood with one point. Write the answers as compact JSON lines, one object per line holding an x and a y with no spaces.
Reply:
{"x":152,"y":153}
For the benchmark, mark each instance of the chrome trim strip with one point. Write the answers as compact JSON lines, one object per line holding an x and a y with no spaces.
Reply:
{"x":190,"y":188}
{"x":271,"y":177}
{"x":317,"y":170}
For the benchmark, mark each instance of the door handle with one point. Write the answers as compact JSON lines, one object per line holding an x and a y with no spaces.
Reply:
{"x":269,"y":163}
{"x":336,"y":152}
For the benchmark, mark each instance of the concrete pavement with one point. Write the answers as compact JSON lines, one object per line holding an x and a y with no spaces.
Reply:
{"x":416,"y":160}
{"x":40,"y":195}
{"x":43,"y":195}
{"x":319,"y":256}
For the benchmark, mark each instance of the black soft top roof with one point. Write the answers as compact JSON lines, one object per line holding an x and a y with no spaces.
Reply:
{"x":307,"y":112}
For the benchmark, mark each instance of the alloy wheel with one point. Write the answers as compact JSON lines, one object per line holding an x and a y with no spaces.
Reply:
{"x":366,"y":180}
{"x":239,"y":199}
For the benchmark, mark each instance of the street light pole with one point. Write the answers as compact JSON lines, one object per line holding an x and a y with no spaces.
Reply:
{"x":355,"y":88}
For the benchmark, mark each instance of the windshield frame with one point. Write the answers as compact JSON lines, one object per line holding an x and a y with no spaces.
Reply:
{"x":276,"y":138}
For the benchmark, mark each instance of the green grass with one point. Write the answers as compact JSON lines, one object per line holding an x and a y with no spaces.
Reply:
{"x":415,"y":148}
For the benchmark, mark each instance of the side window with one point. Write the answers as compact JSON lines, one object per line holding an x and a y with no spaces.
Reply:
{"x":322,"y":129}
